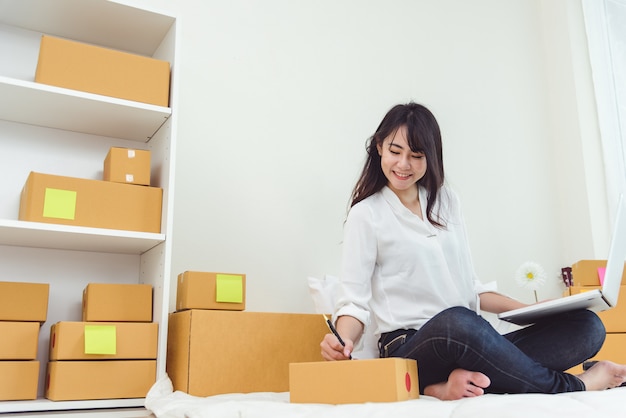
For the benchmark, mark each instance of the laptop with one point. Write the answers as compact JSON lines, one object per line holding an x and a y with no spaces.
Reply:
{"x":596,"y":300}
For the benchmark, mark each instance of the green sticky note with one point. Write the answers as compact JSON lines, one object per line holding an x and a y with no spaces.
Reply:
{"x":100,"y":339}
{"x":229,"y":288}
{"x":60,"y":204}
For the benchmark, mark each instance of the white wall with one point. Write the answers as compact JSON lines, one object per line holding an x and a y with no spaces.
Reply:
{"x":278,"y":98}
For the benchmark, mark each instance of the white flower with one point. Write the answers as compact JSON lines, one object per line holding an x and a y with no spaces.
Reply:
{"x":530,"y":275}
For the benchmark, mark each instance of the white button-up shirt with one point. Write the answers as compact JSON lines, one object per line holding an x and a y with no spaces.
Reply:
{"x":402,"y":269}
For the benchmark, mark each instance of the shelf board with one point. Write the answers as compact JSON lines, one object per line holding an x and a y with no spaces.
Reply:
{"x":109,"y":24}
{"x":54,"y":107}
{"x":41,"y":405}
{"x":63,"y":237}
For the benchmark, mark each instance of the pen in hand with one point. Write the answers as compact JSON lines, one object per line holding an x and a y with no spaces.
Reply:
{"x":334,"y":331}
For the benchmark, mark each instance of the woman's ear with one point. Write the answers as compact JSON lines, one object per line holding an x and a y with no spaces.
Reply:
{"x":379,"y":148}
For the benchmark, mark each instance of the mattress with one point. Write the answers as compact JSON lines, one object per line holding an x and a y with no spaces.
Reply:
{"x":163,"y":402}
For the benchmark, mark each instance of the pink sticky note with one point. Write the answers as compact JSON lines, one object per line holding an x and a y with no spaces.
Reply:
{"x":601,"y":271}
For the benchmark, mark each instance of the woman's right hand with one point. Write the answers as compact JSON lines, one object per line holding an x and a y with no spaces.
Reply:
{"x":333,"y":350}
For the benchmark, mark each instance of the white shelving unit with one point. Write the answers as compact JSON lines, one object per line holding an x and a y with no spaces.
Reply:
{"x":59,"y":131}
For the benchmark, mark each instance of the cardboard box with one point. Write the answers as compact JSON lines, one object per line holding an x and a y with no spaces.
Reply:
{"x":125,"y":165}
{"x":19,"y":380}
{"x":585,"y":272}
{"x":215,"y":352}
{"x":110,"y":379}
{"x":19,"y":340}
{"x":92,"y":203}
{"x":103,"y":340}
{"x":93,"y":69}
{"x":24,"y":301}
{"x":110,"y":302}
{"x":356,"y":381}
{"x":614,"y":319}
{"x":202,"y":290}
{"x":613,"y":349}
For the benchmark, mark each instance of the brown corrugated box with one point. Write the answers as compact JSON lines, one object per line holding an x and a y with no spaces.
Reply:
{"x":356,"y":381}
{"x":19,"y":340}
{"x":108,"y":379}
{"x":93,"y":69}
{"x":585,"y":272}
{"x":213,"y":352}
{"x":92,"y":203}
{"x":111,"y":302}
{"x":110,"y":340}
{"x":126,"y":165}
{"x":204,"y":290}
{"x":19,"y":380}
{"x":21,"y":301}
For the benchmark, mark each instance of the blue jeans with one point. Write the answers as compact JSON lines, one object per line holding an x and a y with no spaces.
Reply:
{"x":529,"y":360}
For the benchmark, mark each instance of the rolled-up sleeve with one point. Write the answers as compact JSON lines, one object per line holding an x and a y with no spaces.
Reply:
{"x":358,"y":264}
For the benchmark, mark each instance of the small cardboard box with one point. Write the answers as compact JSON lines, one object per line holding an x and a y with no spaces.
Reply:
{"x":108,"y":302}
{"x":356,"y":381}
{"x":585,"y":272}
{"x":19,"y":340}
{"x":19,"y":380}
{"x":202,"y":290}
{"x":110,"y":379}
{"x":612,"y":349}
{"x":125,"y":165}
{"x":214,"y":352}
{"x":93,"y":69}
{"x":24,"y":301}
{"x":103,"y":340}
{"x":92,"y":203}
{"x":614,"y":319}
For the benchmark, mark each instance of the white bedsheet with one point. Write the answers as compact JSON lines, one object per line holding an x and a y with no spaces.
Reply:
{"x":163,"y":402}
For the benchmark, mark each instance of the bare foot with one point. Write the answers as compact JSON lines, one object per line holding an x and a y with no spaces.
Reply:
{"x":460,"y":384}
{"x":603,"y":375}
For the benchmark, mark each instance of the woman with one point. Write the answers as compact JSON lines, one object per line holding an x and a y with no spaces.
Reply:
{"x":407,"y":269}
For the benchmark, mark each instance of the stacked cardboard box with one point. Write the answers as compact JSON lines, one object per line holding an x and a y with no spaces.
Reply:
{"x":111,"y":354}
{"x":215,"y":346}
{"x":122,"y":200}
{"x":585,"y":277}
{"x":93,"y":69}
{"x":23,"y":308}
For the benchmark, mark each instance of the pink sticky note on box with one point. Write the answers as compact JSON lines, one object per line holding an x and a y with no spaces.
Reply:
{"x":601,"y":271}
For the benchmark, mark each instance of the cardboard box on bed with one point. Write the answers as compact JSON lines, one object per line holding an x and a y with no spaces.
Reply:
{"x":204,"y":290}
{"x":356,"y":381}
{"x":19,"y":380}
{"x":21,"y":301}
{"x":612,"y":349}
{"x":19,"y":340}
{"x":92,"y":203}
{"x":213,"y":352}
{"x":111,"y":302}
{"x":93,"y":69}
{"x":126,"y":165}
{"x":103,"y":340}
{"x":585,"y":272}
{"x":614,"y":319}
{"x":99,"y":379}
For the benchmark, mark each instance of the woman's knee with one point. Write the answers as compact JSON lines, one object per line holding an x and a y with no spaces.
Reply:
{"x":458,"y":320}
{"x":591,"y":324}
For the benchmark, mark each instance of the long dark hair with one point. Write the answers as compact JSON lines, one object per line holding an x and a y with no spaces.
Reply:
{"x":423,"y":135}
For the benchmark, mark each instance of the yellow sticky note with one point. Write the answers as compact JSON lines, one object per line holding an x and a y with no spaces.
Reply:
{"x":60,"y":204}
{"x":229,"y":288}
{"x":100,"y":339}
